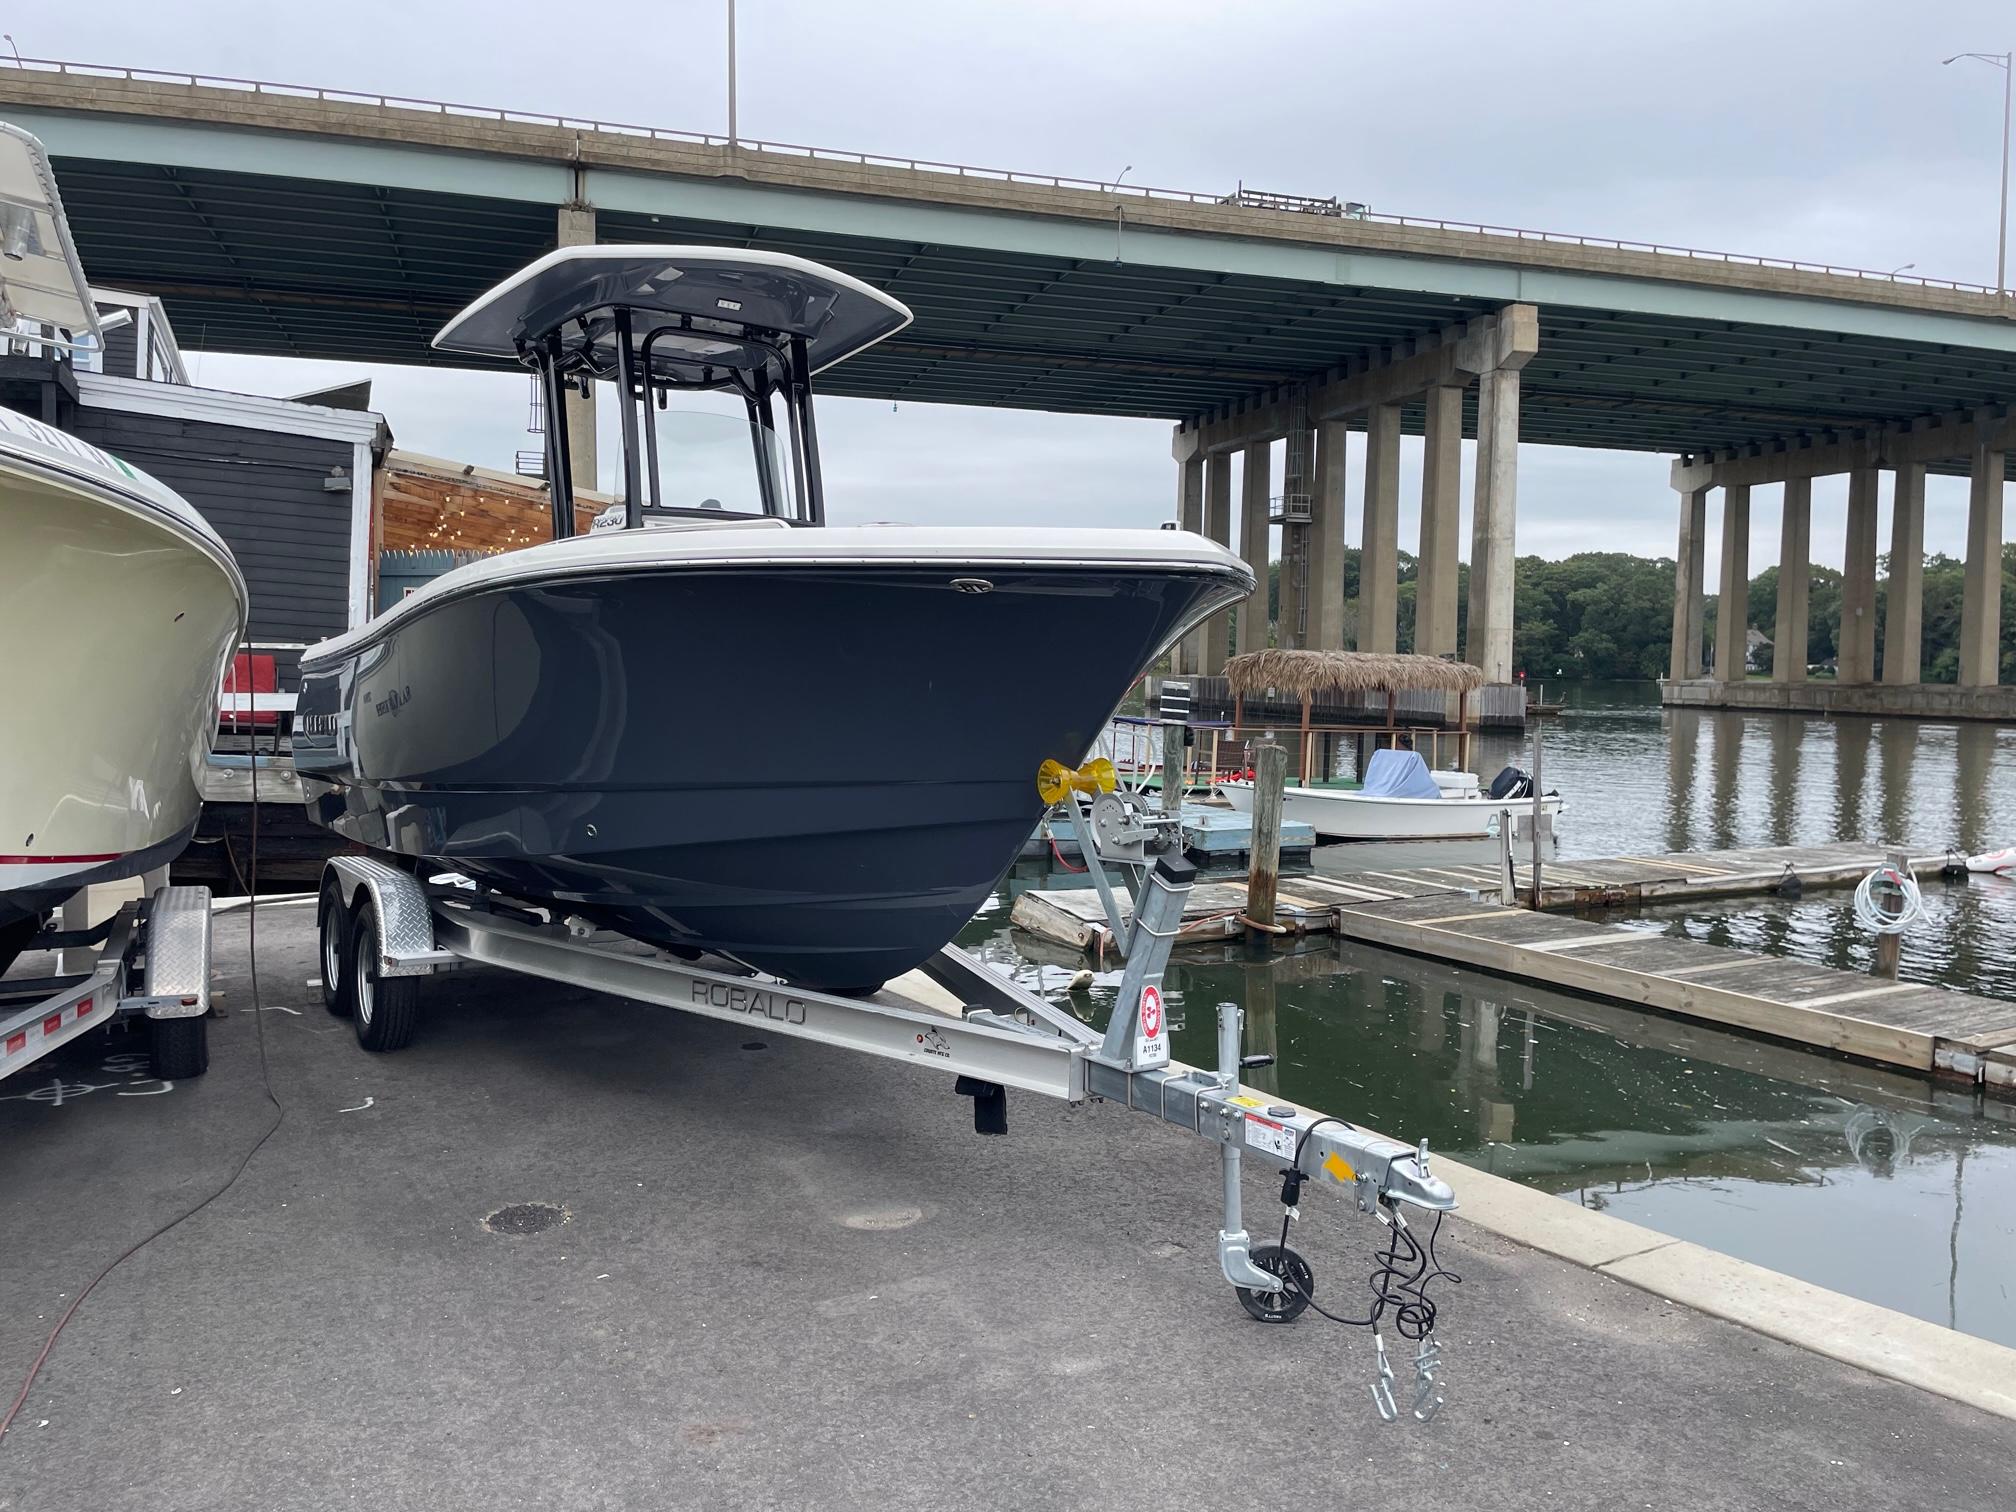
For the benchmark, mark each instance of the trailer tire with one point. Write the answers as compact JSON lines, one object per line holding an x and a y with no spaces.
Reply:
{"x":387,"y":1008}
{"x":332,"y":929}
{"x":179,"y":1048}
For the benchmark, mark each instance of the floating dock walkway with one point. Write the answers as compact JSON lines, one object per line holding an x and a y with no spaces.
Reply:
{"x":1453,"y":914}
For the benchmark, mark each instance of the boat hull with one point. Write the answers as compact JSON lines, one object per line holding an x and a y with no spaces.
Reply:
{"x":1345,"y":815}
{"x":827,"y":798}
{"x":118,"y":609}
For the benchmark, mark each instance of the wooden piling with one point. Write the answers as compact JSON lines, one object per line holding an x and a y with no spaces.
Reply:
{"x":1173,"y":777}
{"x":1891,"y":902}
{"x":1263,"y":876}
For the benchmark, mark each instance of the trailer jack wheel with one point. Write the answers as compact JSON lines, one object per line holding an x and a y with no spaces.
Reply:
{"x":1285,"y":1305}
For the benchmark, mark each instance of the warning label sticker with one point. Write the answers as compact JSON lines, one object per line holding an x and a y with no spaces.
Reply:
{"x":1152,"y":1048}
{"x":1274,"y":1138}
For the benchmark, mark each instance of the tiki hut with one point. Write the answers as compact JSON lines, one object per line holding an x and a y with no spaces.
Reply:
{"x":1306,"y":675}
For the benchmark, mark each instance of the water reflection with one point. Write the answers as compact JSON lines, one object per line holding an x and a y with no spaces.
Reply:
{"x":1875,"y":1183}
{"x":1852,"y":1177}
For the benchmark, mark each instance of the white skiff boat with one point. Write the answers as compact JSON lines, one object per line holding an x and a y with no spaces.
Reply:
{"x":1400,"y":800}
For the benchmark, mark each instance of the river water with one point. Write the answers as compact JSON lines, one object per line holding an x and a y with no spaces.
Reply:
{"x":1879,"y":1184}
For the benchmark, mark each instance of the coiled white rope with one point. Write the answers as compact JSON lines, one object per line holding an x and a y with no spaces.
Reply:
{"x":1872,"y":917}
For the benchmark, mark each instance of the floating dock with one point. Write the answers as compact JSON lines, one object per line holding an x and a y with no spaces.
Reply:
{"x":1453,"y":914}
{"x":1211,"y":832}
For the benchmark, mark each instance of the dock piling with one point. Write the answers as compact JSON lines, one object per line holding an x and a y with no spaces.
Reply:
{"x":1270,"y":768}
{"x":1891,"y":902}
{"x":1175,"y":746}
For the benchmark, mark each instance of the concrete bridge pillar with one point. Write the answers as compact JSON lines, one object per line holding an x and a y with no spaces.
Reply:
{"x":1732,"y":612}
{"x":577,"y":229}
{"x":1326,"y":538}
{"x":1795,"y":582}
{"x":1218,"y":526}
{"x":1379,"y":554}
{"x":1441,"y":522}
{"x":1689,"y":568}
{"x":1492,"y":560}
{"x":1188,"y":658}
{"x":1255,"y":491}
{"x":1904,"y":594}
{"x":1856,"y":645}
{"x":1981,"y":594}
{"x":1298,"y":470}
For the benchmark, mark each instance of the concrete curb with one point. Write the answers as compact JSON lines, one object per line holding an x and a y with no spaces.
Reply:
{"x":1884,"y":1342}
{"x":1880,"y":1340}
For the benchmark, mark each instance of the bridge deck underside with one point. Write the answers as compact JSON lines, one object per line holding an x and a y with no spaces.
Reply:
{"x":273,"y":265}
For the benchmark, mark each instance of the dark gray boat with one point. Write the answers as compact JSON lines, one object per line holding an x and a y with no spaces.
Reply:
{"x":811,"y":750}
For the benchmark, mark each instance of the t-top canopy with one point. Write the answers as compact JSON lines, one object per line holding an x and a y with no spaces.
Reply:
{"x":702,"y":313}
{"x":41,"y":283}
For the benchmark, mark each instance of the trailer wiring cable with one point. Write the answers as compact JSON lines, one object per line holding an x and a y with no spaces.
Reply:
{"x":265,"y":1084}
{"x":1399,"y":1282}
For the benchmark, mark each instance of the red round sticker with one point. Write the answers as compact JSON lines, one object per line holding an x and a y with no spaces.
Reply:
{"x":1151,"y":1011}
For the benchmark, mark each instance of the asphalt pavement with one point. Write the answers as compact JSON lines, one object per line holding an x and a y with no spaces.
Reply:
{"x":749,"y":1273}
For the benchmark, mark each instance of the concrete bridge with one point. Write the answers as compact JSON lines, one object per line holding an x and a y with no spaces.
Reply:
{"x":297,"y":221}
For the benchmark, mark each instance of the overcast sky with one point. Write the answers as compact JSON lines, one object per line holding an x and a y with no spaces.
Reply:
{"x":1819,"y":129}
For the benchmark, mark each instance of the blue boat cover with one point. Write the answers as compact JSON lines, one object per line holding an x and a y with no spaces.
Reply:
{"x":1398,"y":774}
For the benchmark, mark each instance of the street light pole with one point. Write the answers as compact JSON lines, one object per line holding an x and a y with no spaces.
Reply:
{"x":2007,"y":63}
{"x":731,"y":73}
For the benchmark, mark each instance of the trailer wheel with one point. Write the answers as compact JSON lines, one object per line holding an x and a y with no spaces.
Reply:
{"x":1285,"y":1305}
{"x":387,"y":1008}
{"x":178,"y":1047}
{"x":332,"y":927}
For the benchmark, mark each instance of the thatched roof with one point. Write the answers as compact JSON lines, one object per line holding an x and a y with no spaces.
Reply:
{"x":1313,"y":673}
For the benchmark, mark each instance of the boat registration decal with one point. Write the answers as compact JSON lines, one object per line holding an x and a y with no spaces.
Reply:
{"x":754,"y":1001}
{"x":1274,"y":1138}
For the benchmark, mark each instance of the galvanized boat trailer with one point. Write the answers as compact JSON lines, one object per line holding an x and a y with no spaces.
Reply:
{"x":383,"y":930}
{"x":150,"y":959}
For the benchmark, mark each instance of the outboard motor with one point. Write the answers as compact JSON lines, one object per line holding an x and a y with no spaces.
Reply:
{"x":1511,"y":783}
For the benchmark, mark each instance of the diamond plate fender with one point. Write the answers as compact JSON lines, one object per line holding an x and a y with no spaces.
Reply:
{"x":178,"y":954}
{"x":405,"y":920}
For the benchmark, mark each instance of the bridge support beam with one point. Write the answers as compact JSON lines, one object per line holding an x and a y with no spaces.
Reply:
{"x":1433,"y":367}
{"x":1981,"y":591}
{"x":1188,"y":658}
{"x":1689,"y":568}
{"x":1298,"y":471}
{"x":1492,"y":560}
{"x":1795,"y":582}
{"x":1441,"y":523}
{"x":1379,"y":548}
{"x":1904,"y":594}
{"x":1732,"y":607}
{"x":1218,"y":526}
{"x":1856,"y":646}
{"x":1255,"y":489}
{"x":1326,"y":537}
{"x":577,"y":229}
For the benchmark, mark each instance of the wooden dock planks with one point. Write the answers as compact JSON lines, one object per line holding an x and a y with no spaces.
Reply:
{"x":1450,"y":914}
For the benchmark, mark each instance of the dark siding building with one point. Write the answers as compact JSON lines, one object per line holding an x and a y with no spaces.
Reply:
{"x":267,"y":494}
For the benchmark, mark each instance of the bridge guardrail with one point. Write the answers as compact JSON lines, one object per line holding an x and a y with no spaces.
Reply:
{"x":961,"y":170}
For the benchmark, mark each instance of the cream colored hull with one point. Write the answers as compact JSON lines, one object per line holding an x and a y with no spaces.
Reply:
{"x":117,"y":615}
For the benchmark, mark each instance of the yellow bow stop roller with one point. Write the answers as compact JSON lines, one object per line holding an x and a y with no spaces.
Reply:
{"x":1055,"y":781}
